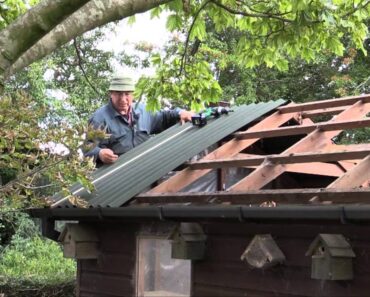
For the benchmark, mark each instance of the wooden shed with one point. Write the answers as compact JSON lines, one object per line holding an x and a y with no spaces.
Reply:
{"x":274,"y":186}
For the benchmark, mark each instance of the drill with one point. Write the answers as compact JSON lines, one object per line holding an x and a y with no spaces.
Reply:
{"x":200,"y":119}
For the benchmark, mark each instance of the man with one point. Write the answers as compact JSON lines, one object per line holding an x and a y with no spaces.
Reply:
{"x":128,"y":124}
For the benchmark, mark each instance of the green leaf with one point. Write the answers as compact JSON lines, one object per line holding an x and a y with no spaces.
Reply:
{"x":199,"y":30}
{"x":156,"y":59}
{"x":131,"y":20}
{"x":175,"y":5}
{"x":155,"y":12}
{"x":174,"y":22}
{"x":282,"y":65}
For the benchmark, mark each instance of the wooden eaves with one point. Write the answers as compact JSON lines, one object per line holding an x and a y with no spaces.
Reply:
{"x":350,"y":164}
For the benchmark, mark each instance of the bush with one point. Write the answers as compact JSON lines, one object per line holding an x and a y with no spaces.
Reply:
{"x":33,"y":266}
{"x":15,"y":226}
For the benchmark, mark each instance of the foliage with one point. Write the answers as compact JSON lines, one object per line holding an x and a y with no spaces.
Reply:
{"x":29,"y":148}
{"x":38,"y":259}
{"x":58,"y":94}
{"x":31,"y":264}
{"x":11,"y":9}
{"x":16,"y":226}
{"x":81,"y":71}
{"x":179,"y":88}
{"x":264,"y":34}
{"x":271,"y":34}
{"x":73,"y":81}
{"x":70,"y":81}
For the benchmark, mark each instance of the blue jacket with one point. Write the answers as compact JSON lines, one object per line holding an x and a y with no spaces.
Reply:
{"x":123,"y":136}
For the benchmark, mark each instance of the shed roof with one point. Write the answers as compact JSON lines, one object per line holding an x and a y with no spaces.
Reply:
{"x":139,"y":168}
{"x":304,"y":136}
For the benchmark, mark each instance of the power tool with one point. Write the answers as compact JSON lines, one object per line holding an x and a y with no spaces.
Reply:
{"x":200,"y":119}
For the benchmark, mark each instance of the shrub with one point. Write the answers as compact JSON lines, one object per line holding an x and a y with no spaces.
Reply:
{"x":33,"y":266}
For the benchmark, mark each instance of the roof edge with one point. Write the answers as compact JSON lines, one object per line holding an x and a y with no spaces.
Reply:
{"x":339,"y":213}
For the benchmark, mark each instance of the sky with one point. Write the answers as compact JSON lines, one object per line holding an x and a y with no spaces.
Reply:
{"x":144,"y":29}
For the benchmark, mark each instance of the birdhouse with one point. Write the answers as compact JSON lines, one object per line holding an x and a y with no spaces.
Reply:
{"x":263,"y":252}
{"x":331,"y":257}
{"x":79,"y":242}
{"x":188,"y":242}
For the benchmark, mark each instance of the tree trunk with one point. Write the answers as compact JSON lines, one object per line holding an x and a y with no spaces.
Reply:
{"x":20,"y":35}
{"x":93,"y":14}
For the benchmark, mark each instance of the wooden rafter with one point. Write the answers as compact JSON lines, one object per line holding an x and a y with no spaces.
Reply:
{"x":323,"y":111}
{"x":298,"y":130}
{"x":316,"y":168}
{"x":300,"y":196}
{"x":324,"y":104}
{"x":281,"y":159}
{"x":354,"y":177}
{"x":232,"y":147}
{"x":305,"y":156}
{"x":347,"y":147}
{"x":317,"y":140}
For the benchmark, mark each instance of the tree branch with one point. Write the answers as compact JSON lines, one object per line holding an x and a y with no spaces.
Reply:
{"x":366,"y":81}
{"x":34,"y":188}
{"x":267,"y":12}
{"x":95,"y":13}
{"x":81,"y":67}
{"x":33,"y":172}
{"x":253,"y":15}
{"x":183,"y":58}
{"x":361,"y":6}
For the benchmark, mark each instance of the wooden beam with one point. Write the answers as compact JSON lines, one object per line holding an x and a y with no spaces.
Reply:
{"x":354,"y":177}
{"x":348,"y":164}
{"x":324,"y":104}
{"x":281,"y":159}
{"x":347,"y":147}
{"x":297,"y":196}
{"x":323,"y":111}
{"x":316,"y":168}
{"x":234,"y":146}
{"x":317,"y":140}
{"x":298,"y":130}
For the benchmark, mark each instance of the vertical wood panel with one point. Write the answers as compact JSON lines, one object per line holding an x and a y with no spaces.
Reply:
{"x":113,"y":273}
{"x":222,"y":273}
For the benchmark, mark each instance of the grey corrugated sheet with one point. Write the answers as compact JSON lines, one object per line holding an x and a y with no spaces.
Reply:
{"x":140,"y":167}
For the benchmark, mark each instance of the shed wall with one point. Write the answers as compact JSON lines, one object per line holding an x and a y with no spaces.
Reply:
{"x":113,"y":273}
{"x":222,"y":273}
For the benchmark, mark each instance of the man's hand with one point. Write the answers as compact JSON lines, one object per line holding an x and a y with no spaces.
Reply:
{"x":107,"y":156}
{"x":185,"y":116}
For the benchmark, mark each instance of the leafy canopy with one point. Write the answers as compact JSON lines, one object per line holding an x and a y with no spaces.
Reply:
{"x":11,"y":9}
{"x":270,"y":33}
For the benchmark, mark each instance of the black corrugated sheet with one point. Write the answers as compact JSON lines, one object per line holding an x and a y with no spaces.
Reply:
{"x":139,"y":168}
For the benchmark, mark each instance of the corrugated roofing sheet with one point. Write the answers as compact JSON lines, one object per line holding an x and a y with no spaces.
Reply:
{"x":139,"y":168}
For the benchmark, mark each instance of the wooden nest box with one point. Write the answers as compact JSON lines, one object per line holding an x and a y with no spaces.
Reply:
{"x":331,"y":257}
{"x":188,"y":242}
{"x":263,"y":252}
{"x":79,"y":242}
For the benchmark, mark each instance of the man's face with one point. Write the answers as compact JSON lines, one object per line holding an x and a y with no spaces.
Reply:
{"x":122,"y":101}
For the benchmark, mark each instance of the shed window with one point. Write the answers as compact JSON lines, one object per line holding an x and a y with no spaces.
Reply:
{"x":158,"y":274}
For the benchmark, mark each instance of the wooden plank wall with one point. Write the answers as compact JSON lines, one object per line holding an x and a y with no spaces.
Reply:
{"x":113,"y":273}
{"x":222,"y":273}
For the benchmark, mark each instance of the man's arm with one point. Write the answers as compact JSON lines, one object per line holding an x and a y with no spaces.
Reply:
{"x":100,"y":151}
{"x":167,"y":118}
